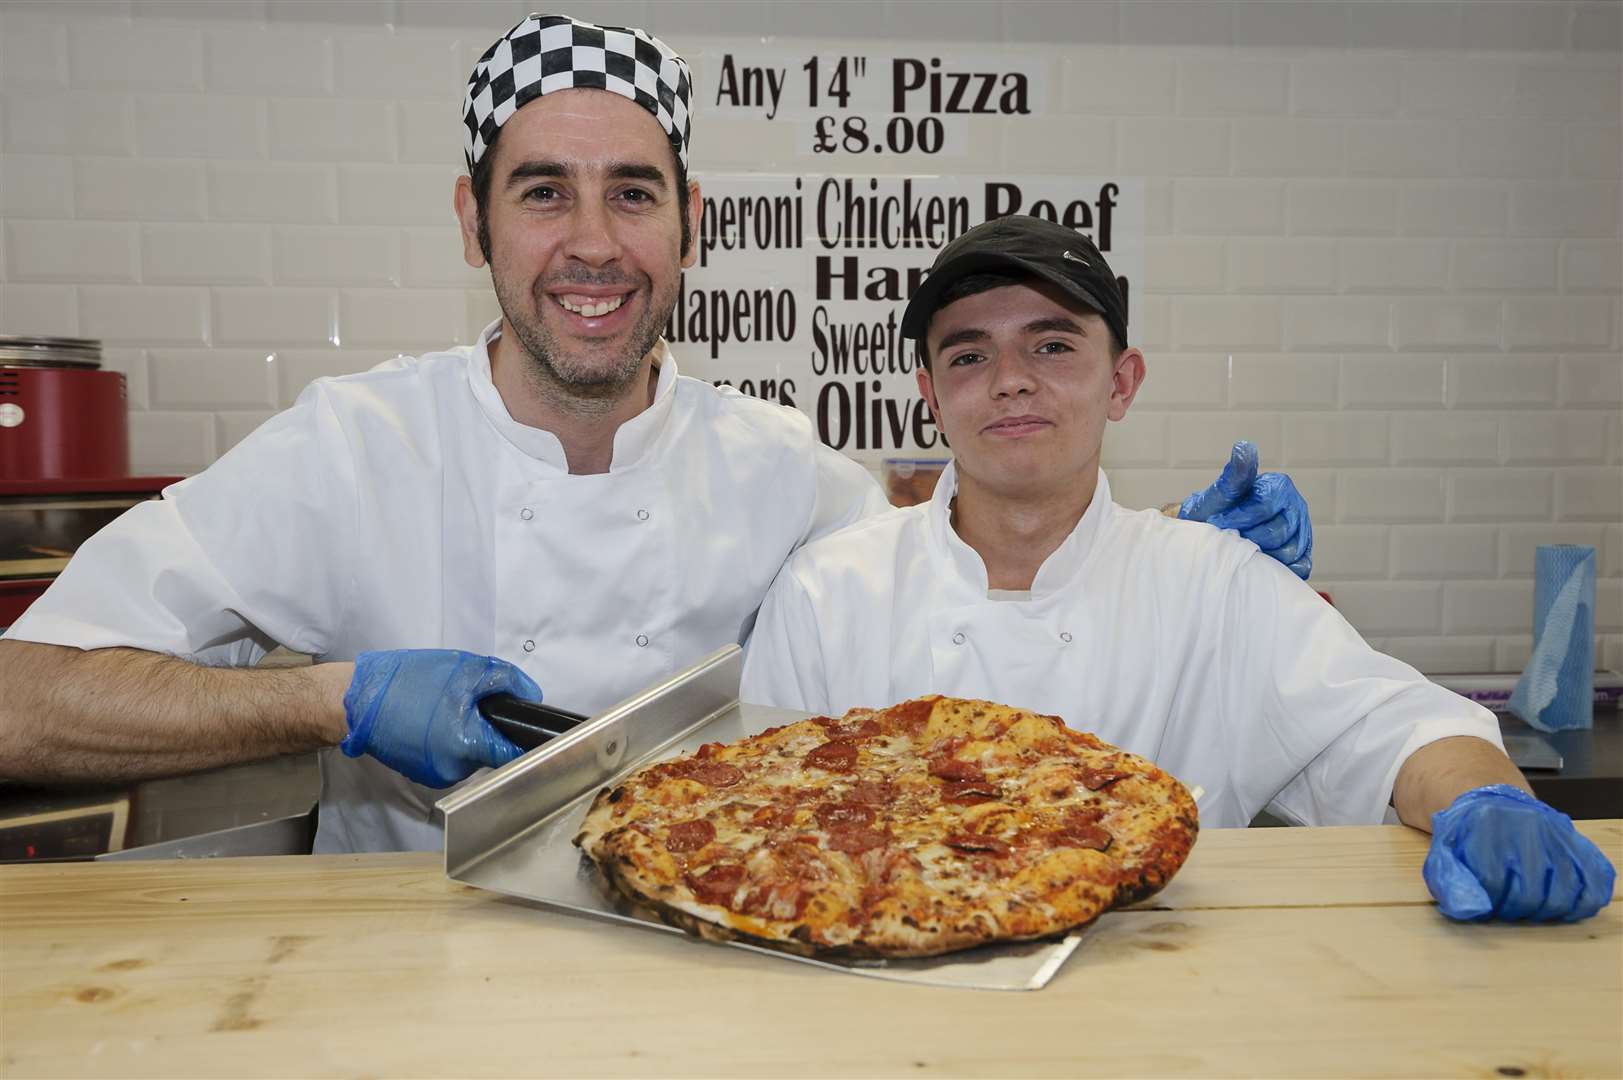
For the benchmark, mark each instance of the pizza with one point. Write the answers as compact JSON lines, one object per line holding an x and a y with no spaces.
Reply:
{"x":934,"y":825}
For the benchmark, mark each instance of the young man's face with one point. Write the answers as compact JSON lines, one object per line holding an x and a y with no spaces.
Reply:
{"x":1022,"y":381}
{"x":585,"y":237}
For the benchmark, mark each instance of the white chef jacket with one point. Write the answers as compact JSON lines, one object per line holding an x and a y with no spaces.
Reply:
{"x":405,"y":508}
{"x":1171,"y":639}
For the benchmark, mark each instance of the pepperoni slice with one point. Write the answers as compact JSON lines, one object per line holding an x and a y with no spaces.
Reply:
{"x":948,"y":768}
{"x":971,"y":842}
{"x":910,"y":716}
{"x":717,"y":884}
{"x":836,"y":755}
{"x":872,"y":792}
{"x":687,"y":836}
{"x":773,"y":817}
{"x":968,"y":792}
{"x":714,"y":773}
{"x":854,"y":841}
{"x":840,"y":815}
{"x":1094,"y":779}
{"x":1091,"y":837}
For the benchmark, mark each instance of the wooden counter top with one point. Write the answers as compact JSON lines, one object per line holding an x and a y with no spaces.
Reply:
{"x":1300,"y":952}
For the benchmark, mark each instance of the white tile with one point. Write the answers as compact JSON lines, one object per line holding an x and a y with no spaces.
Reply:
{"x":200,"y":125}
{"x":1152,"y":322}
{"x":1558,"y":322}
{"x":71,"y":251}
{"x":1597,"y":26}
{"x":434,"y":257}
{"x":1499,"y":495}
{"x":1393,"y":382}
{"x":1388,"y":266}
{"x":1487,"y":607}
{"x":1504,"y":265}
{"x":1519,"y":544}
{"x":1288,"y":24}
{"x":1609,"y":606}
{"x":255,"y":61}
{"x":297,"y":368}
{"x":328,"y":255}
{"x":1206,"y":441}
{"x":1088,"y":145}
{"x":127,"y":57}
{"x":1283,"y":382}
{"x":138,"y":190}
{"x":1592,"y":381}
{"x":1595,"y":151}
{"x":208,"y":254}
{"x":1396,"y":149}
{"x":1176,"y":22}
{"x":1447,"y":439}
{"x":171,"y":443}
{"x":35,"y":186}
{"x":1445,"y":322}
{"x":132,"y":364}
{"x":1589,"y":494}
{"x":1456,"y":209}
{"x":292,"y":194}
{"x":1391,"y":607}
{"x":1287,"y":146}
{"x":1502,"y":380}
{"x":1228,"y":207}
{"x":1109,"y":83}
{"x":1173,"y":146}
{"x":143,"y":314}
{"x":1442,"y":552}
{"x":320,"y":129}
{"x":1337,"y":439}
{"x":1184,"y":381}
{"x":1585,"y":210}
{"x":39,"y":309}
{"x":1327,"y":85}
{"x":233,"y":427}
{"x":274,"y":316}
{"x":1614,"y":439}
{"x":402,"y":318}
{"x":1282,"y":265}
{"x":1139,"y":440}
{"x":1567,"y":91}
{"x":1227,"y":321}
{"x":1611,"y":554}
{"x":425,"y":137}
{"x":33,"y":51}
{"x":1477,"y":86}
{"x":1330,"y":209}
{"x":1402,"y":24}
{"x":1183,"y":264}
{"x":1138,"y":489}
{"x":1512,"y":653}
{"x":1091,"y":22}
{"x":1442,"y":655}
{"x":237,"y":10}
{"x":1342,"y":552}
{"x":1389,"y":495}
{"x":740,"y":143}
{"x":364,"y":13}
{"x":68,"y":123}
{"x":1337,"y":322}
{"x":205,"y":379}
{"x":1592,"y":266}
{"x":401,"y":65}
{"x":1553,"y":438}
{"x":1227,"y":86}
{"x":396,"y":194}
{"x":1490,"y":149}
{"x":1524,"y":25}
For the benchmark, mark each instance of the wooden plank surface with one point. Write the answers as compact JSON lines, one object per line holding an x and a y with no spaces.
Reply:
{"x":1286,"y":952}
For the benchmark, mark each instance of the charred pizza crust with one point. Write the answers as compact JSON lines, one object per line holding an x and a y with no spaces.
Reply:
{"x":934,"y":825}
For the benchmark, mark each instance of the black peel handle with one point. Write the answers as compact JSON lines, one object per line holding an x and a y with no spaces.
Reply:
{"x":527,"y":723}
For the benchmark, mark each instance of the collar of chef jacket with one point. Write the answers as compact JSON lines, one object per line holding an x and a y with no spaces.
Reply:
{"x":1060,"y":568}
{"x":633,"y":439}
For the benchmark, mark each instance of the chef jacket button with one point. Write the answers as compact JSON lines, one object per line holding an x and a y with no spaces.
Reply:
{"x":958,"y":638}
{"x":642,"y":641}
{"x":529,"y":646}
{"x":642,"y":515}
{"x":1065,"y":636}
{"x":526,"y":513}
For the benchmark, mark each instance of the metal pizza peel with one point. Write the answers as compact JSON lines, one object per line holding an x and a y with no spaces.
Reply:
{"x":511,"y":831}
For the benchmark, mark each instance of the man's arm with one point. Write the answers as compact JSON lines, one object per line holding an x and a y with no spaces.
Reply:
{"x":116,"y":715}
{"x":1440,"y":772}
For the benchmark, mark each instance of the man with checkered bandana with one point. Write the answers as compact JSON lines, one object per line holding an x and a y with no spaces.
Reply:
{"x":555,"y":495}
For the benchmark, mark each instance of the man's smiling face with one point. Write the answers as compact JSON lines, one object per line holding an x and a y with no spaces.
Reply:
{"x":585,"y":237}
{"x":1022,"y":380}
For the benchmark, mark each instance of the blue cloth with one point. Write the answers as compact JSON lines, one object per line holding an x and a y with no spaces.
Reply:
{"x":1557,"y":688}
{"x":1267,"y":509}
{"x":417,"y":711}
{"x":1499,"y":853}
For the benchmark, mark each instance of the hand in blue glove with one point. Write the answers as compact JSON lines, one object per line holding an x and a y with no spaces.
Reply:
{"x":416,"y":710}
{"x":1267,"y":510}
{"x":1499,"y":853}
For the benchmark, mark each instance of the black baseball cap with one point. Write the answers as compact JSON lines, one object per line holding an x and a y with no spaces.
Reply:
{"x":1024,"y":245}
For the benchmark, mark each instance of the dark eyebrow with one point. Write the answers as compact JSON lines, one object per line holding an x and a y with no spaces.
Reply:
{"x":1062,"y":325}
{"x":653,"y":174}
{"x":961,"y":337}
{"x":529,"y":170}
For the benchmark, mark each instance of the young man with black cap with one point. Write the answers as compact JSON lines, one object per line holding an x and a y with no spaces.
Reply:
{"x":1023,"y":583}
{"x":555,"y":495}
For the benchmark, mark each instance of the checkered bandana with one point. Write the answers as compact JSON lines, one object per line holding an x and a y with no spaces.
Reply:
{"x":554,"y":52}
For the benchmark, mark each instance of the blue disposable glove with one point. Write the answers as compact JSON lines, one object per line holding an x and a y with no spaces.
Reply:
{"x":1499,"y":853}
{"x":416,"y":710}
{"x":1267,"y":510}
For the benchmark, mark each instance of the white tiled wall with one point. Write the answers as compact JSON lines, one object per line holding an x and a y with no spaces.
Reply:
{"x":1383,"y":238}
